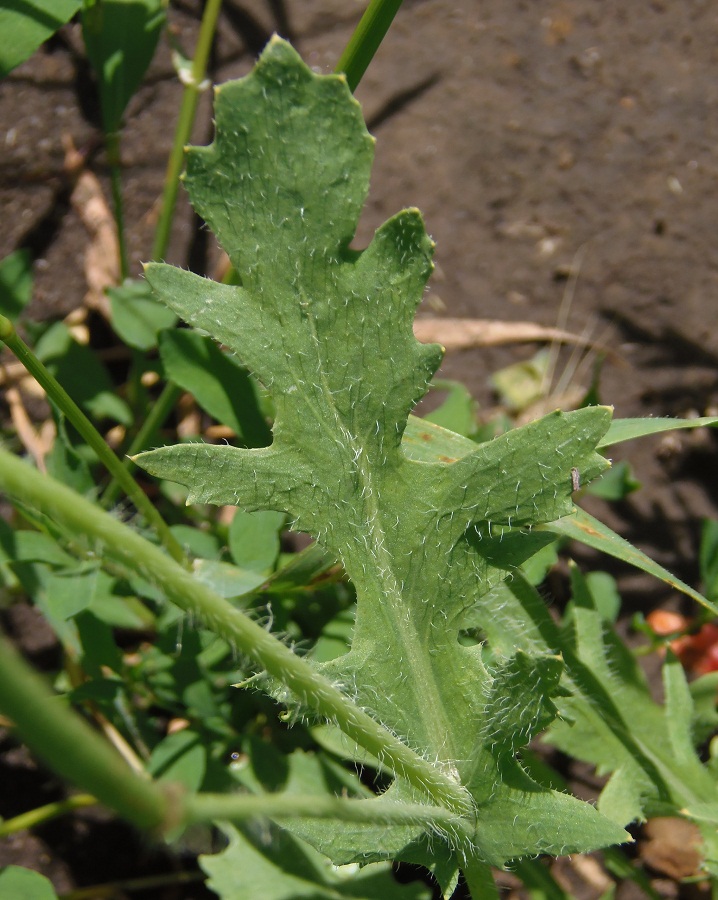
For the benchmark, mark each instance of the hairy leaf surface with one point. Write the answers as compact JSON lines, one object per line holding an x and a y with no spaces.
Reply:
{"x":328,"y":332}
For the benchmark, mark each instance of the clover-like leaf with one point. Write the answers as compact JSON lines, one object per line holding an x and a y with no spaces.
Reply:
{"x":328,"y":331}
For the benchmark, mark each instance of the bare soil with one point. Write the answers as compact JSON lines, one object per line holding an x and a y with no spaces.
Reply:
{"x":552,"y":147}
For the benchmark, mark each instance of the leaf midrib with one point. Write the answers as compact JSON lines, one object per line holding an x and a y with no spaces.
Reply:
{"x":412,"y":650}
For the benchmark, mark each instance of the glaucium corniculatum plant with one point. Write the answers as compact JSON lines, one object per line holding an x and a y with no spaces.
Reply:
{"x":328,"y":332}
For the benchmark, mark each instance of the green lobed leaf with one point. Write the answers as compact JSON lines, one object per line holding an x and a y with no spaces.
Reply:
{"x":26,"y":24}
{"x":424,"y":441}
{"x":328,"y":331}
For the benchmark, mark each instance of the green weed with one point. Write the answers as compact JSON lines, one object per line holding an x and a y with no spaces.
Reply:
{"x":410,"y":640}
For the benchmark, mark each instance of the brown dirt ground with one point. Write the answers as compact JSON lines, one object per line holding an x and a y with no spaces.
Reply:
{"x":539,"y":139}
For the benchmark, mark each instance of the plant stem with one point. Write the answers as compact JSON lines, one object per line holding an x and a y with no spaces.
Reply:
{"x":112,"y":143}
{"x":75,"y":751}
{"x":193,"y":88}
{"x":91,"y":435}
{"x":158,"y":413}
{"x":238,"y":807}
{"x":79,"y":516}
{"x":64,"y":741}
{"x":366,"y":39}
{"x":45,"y":813}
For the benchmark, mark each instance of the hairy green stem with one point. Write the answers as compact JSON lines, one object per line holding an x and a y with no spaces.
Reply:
{"x":188,"y":109}
{"x":79,"y":516}
{"x":237,"y":807}
{"x":90,"y":435}
{"x":75,"y":751}
{"x":45,"y":813}
{"x":366,"y":39}
{"x":159,"y":411}
{"x":72,"y":749}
